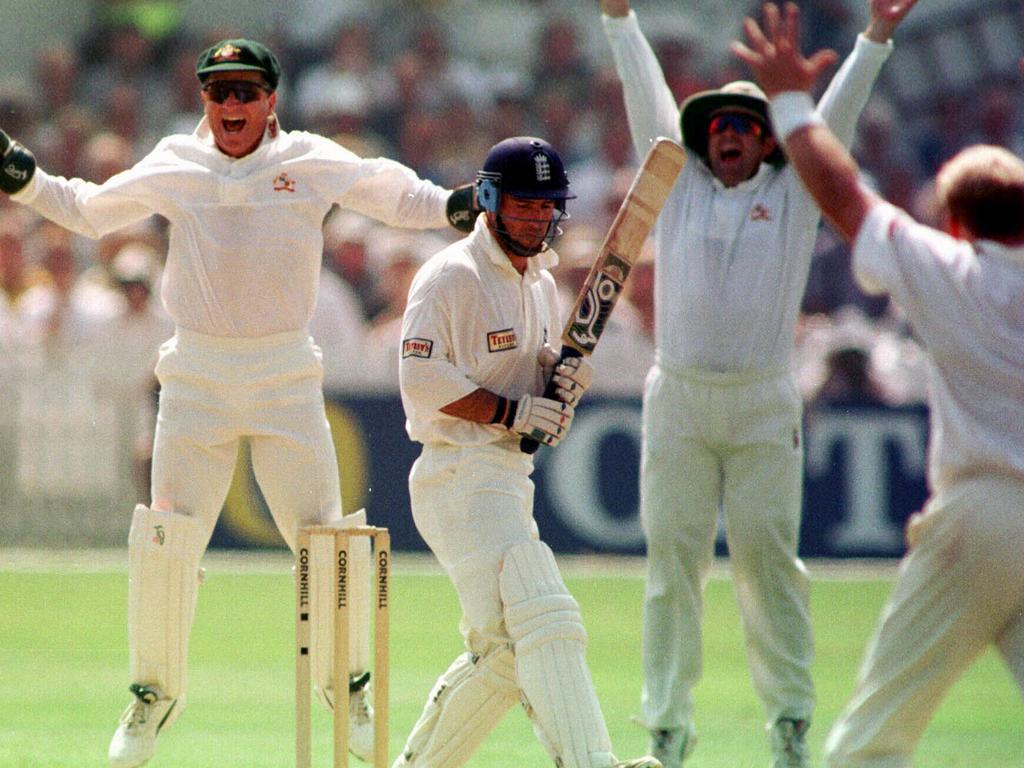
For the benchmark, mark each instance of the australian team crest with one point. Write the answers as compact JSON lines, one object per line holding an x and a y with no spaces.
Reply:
{"x":284,"y":183}
{"x":227,"y":52}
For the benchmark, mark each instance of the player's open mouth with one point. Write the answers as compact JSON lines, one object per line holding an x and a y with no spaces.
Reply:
{"x":233,"y":125}
{"x":730,"y":155}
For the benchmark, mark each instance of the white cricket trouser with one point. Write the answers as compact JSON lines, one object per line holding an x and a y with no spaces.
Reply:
{"x":216,"y":391}
{"x":471,"y":505}
{"x":959,"y":590}
{"x":474,"y":507}
{"x":728,"y":441}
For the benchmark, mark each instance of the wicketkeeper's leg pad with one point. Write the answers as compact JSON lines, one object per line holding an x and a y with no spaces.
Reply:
{"x":322,"y":591}
{"x":546,"y":628}
{"x":466,"y":704}
{"x":164,"y":549}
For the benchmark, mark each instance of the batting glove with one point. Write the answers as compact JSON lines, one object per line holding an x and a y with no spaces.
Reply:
{"x":546,"y":421}
{"x":17,"y":165}
{"x":461,"y":208}
{"x":572,"y":377}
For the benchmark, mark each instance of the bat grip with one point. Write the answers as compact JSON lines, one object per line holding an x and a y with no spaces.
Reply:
{"x":528,"y":444}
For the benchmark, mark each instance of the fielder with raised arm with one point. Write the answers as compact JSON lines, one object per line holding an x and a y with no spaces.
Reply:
{"x":960,"y":588}
{"x":246,"y":202}
{"x":476,"y":334}
{"x":722,"y":413}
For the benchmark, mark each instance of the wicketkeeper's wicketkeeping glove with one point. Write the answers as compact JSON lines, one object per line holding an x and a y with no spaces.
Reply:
{"x":17,"y":165}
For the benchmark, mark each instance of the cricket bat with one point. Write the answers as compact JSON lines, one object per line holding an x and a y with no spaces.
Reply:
{"x":619,"y":252}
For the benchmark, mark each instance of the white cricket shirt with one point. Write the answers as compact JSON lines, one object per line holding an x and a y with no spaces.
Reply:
{"x":473,"y":321}
{"x":965,"y":304}
{"x":731,"y":264}
{"x":245,"y":242}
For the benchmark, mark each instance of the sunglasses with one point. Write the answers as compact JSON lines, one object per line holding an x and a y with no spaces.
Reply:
{"x":741,"y":124}
{"x":244,"y":91}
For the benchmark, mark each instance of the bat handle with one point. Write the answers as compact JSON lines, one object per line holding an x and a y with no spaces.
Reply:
{"x":528,"y":444}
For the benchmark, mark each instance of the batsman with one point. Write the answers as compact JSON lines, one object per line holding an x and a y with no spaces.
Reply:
{"x":245,"y":202}
{"x":476,"y":334}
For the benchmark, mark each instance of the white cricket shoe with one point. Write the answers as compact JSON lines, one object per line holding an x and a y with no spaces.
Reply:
{"x":671,"y":746}
{"x":134,"y":740}
{"x":789,"y":750}
{"x":360,"y":715}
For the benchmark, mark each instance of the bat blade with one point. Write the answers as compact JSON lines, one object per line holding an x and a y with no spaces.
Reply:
{"x":620,"y":250}
{"x":623,"y":245}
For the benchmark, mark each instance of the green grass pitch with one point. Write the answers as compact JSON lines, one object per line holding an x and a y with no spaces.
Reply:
{"x":63,"y":669}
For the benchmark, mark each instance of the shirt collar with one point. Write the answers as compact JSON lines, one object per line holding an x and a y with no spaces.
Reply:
{"x":546,"y":259}
{"x":755,"y":181}
{"x":204,"y":135}
{"x":998,"y":250}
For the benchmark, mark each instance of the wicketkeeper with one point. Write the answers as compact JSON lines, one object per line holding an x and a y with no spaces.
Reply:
{"x":245,"y":201}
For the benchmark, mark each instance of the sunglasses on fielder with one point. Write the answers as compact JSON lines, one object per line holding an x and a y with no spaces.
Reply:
{"x":244,"y":91}
{"x":741,"y":124}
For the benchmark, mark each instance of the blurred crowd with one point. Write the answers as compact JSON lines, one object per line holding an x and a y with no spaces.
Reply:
{"x":395,"y":87}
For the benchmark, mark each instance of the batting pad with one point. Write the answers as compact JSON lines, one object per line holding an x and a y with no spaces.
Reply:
{"x":164,"y":550}
{"x":322,"y":602}
{"x":466,"y":704}
{"x":546,"y":627}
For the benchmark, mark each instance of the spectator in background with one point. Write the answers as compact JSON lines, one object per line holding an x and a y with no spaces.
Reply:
{"x":508,"y":114}
{"x":596,"y":177}
{"x":559,"y":62}
{"x":55,"y":72}
{"x":339,"y":326}
{"x":122,"y":74}
{"x":998,"y":119}
{"x":681,"y":60}
{"x":830,"y":285}
{"x":351,"y":85}
{"x":943,"y":134}
{"x":123,"y":353}
{"x":14,"y":280}
{"x":16,"y":102}
{"x":52,"y":313}
{"x":887,"y":159}
{"x":444,"y":78}
{"x":396,"y":258}
{"x":345,"y":253}
{"x":62,"y":138}
{"x":185,"y":106}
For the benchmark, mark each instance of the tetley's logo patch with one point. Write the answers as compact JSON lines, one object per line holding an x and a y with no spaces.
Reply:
{"x":499,"y":341}
{"x":417,"y":348}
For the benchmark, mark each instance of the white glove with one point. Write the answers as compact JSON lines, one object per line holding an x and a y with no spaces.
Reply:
{"x":546,"y":421}
{"x":572,"y":377}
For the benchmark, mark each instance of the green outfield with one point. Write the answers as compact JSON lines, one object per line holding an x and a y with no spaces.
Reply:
{"x":63,"y":665}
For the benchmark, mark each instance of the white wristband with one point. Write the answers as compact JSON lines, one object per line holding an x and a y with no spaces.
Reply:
{"x":791,"y":110}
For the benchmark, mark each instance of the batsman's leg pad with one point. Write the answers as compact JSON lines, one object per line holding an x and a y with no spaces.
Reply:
{"x":466,"y":704}
{"x":546,"y":627}
{"x":322,"y":602}
{"x":164,"y":550}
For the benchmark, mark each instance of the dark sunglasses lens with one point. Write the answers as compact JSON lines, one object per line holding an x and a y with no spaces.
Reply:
{"x":244,"y":92}
{"x":739,"y":123}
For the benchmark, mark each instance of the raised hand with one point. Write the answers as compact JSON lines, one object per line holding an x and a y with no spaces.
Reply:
{"x":615,"y":7}
{"x":773,"y":51}
{"x":886,"y":15}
